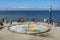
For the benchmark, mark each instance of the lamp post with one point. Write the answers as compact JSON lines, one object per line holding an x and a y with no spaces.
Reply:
{"x":50,"y":12}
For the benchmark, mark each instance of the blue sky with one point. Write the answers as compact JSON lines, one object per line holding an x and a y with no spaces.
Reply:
{"x":29,"y":4}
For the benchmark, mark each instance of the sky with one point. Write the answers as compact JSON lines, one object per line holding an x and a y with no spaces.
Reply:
{"x":29,"y":4}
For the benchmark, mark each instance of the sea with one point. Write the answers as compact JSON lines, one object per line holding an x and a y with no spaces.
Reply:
{"x":29,"y":14}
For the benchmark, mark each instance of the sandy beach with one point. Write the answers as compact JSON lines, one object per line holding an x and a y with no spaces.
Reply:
{"x":53,"y":34}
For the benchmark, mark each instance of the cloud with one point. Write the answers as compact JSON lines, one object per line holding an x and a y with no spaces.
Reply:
{"x":29,"y":8}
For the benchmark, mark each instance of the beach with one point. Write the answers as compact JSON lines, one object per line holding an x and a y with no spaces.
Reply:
{"x":53,"y":34}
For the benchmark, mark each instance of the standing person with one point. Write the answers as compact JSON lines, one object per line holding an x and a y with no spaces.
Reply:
{"x":3,"y":20}
{"x":10,"y":22}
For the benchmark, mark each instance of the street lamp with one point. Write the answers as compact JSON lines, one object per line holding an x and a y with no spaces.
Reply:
{"x":50,"y":12}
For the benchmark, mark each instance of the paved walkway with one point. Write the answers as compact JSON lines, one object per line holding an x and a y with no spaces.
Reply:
{"x":54,"y":34}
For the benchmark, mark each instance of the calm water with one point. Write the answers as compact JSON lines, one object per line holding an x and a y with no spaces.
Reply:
{"x":40,"y":14}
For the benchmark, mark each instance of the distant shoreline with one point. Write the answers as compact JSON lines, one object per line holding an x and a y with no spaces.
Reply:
{"x":29,"y":10}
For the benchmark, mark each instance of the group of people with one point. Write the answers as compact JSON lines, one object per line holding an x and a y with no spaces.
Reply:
{"x":22,"y":20}
{"x":48,"y":21}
